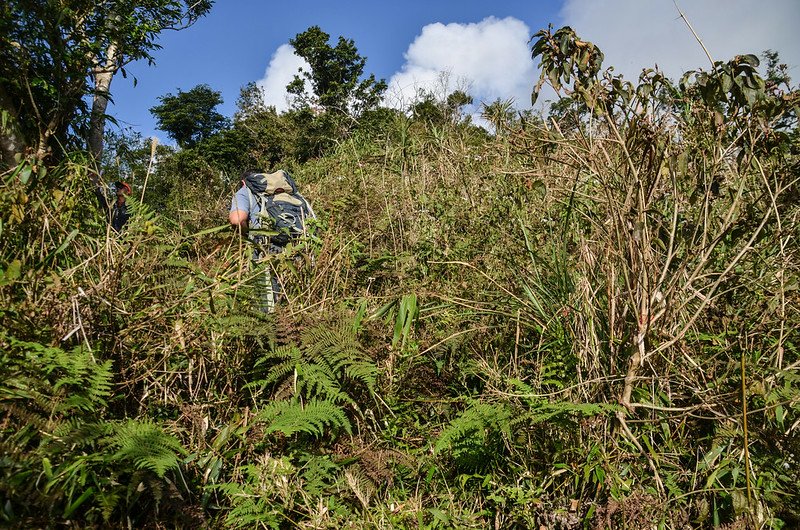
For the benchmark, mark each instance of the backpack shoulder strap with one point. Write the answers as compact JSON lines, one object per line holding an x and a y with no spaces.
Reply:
{"x":307,"y":206}
{"x":252,"y":200}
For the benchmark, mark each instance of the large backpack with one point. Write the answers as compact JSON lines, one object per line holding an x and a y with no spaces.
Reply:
{"x":282,"y":207}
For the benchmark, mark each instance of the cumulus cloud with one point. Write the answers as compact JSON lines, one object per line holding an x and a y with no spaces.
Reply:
{"x":489,"y":60}
{"x":282,"y":68}
{"x":634,"y":34}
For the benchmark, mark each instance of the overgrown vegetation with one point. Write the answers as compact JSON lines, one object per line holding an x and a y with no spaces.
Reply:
{"x":583,"y":321}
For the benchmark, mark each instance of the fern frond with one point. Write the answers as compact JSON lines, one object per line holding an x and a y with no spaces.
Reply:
{"x":142,"y":217}
{"x":288,"y":358}
{"x":334,"y":345}
{"x":253,"y":512}
{"x":364,"y":371}
{"x":146,"y":445}
{"x":319,"y":474}
{"x":337,"y":350}
{"x":257,"y":497}
{"x":474,"y":425}
{"x":95,"y":381}
{"x":316,"y":380}
{"x":76,"y":432}
{"x":76,"y":375}
{"x":108,"y":501}
{"x":328,"y":360}
{"x":25,"y":415}
{"x":360,"y":485}
{"x":479,"y":438}
{"x":311,"y":418}
{"x":539,"y":412}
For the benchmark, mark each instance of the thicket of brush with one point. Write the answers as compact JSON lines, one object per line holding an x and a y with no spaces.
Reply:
{"x":588,"y":322}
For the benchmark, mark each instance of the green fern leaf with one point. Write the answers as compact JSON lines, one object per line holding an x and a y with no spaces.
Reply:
{"x":474,"y":424}
{"x":324,"y":366}
{"x":312,"y":418}
{"x":147,"y":446}
{"x":315,"y":380}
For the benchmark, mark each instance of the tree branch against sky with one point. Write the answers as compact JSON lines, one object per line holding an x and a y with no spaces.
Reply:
{"x":53,"y":54}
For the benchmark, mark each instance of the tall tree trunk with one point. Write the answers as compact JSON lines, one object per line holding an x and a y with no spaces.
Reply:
{"x":11,"y":142}
{"x":103,"y":74}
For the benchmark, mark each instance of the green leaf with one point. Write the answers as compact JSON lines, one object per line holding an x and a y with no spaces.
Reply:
{"x":750,"y":59}
{"x":25,"y":175}
{"x":66,"y":242}
{"x":12,"y":272}
{"x":80,"y":500}
{"x":48,"y":468}
{"x":779,"y":415}
{"x":439,"y":515}
{"x":727,"y":82}
{"x":213,"y":230}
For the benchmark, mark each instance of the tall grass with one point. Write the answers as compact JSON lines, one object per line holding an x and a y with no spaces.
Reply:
{"x":586,"y":323}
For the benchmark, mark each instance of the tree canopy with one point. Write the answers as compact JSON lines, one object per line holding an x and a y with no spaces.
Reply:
{"x":188,"y":117}
{"x":52,"y":54}
{"x":335,"y":75}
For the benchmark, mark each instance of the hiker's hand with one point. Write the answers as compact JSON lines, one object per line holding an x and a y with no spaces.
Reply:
{"x":239,"y":221}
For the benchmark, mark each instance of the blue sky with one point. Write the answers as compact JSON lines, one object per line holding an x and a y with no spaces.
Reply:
{"x":476,"y":45}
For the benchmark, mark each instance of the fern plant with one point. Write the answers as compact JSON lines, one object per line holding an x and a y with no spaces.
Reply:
{"x":328,"y":364}
{"x":309,"y":491}
{"x":146,"y":445}
{"x":477,"y":437}
{"x":312,"y":418}
{"x":55,"y":406}
{"x":312,"y":382}
{"x":261,"y":495}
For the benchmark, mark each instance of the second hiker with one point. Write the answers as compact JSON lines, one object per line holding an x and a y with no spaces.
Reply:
{"x":116,"y":211}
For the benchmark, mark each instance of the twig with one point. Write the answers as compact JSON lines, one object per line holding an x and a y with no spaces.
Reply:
{"x":686,"y":20}
{"x":452,"y":336}
{"x":744,"y":427}
{"x":153,"y":145}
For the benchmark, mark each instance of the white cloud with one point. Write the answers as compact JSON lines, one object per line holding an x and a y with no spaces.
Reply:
{"x":489,"y":60}
{"x":637,"y":34}
{"x":283,"y":66}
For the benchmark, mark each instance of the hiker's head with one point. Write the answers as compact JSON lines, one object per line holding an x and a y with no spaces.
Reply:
{"x":250,"y":173}
{"x":123,"y":189}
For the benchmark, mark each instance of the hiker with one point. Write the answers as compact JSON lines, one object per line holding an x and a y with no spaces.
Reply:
{"x":270,"y":202}
{"x":117,"y":213}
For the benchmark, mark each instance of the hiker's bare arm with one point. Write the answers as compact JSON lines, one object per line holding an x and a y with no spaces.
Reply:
{"x":238,"y":219}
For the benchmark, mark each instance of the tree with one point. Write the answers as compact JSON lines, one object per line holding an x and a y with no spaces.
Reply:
{"x":439,"y":112}
{"x":189,"y":117}
{"x":500,"y":113}
{"x":250,"y":102}
{"x":54,"y":54}
{"x":331,"y":95}
{"x":777,"y":74}
{"x":268,"y":136}
{"x":335,"y":75}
